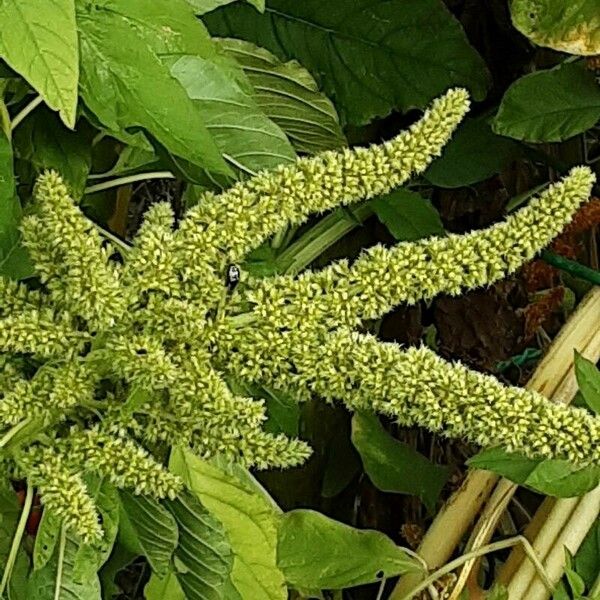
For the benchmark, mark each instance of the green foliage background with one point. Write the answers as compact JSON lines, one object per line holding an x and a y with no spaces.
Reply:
{"x":211,"y":91}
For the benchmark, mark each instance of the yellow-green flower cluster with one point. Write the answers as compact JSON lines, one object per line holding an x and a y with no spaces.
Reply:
{"x":70,"y":259}
{"x":222,"y":229}
{"x":418,"y":388}
{"x":63,"y":490}
{"x":344,"y":294}
{"x":110,"y":358}
{"x":50,"y":394}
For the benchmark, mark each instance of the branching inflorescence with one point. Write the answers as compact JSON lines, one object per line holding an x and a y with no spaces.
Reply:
{"x":113,"y":358}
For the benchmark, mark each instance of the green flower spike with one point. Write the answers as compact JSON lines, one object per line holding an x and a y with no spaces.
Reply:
{"x":112,"y":358}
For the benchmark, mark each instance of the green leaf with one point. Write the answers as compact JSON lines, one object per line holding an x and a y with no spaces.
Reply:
{"x":250,"y":522}
{"x":149,"y":529}
{"x":283,"y":411}
{"x":39,"y":40}
{"x":249,"y":140}
{"x":78,"y":580}
{"x":118,"y":560}
{"x":588,"y":378}
{"x":10,"y":511}
{"x":473,"y":154}
{"x":316,"y":552}
{"x":45,"y":143}
{"x":342,"y":463}
{"x":14,"y":261}
{"x":408,"y":215}
{"x":370,"y":57}
{"x":165,"y":588}
{"x":288,"y":94}
{"x":203,"y":558}
{"x":201,"y":7}
{"x":550,"y":477}
{"x":394,"y":466}
{"x":587,"y":559}
{"x":550,"y":106}
{"x":135,"y":41}
{"x":46,"y":539}
{"x":572,"y":26}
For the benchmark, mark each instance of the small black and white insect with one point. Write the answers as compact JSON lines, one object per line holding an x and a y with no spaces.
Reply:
{"x":233,"y":277}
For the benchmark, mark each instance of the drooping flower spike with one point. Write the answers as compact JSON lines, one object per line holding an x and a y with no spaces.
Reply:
{"x":109,"y":359}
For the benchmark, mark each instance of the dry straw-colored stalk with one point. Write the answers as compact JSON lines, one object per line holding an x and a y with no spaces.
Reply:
{"x":484,"y":492}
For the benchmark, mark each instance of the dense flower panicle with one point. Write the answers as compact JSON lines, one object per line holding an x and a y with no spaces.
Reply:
{"x":62,"y":490}
{"x":50,"y":394}
{"x":69,"y":257}
{"x":123,"y":462}
{"x":381,"y":278}
{"x":41,"y":333}
{"x":151,"y":262}
{"x":418,"y":388}
{"x":109,"y":358}
{"x":225,"y":227}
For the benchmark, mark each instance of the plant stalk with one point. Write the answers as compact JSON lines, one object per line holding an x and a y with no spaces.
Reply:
{"x":22,"y":115}
{"x":16,"y":543}
{"x":112,"y":183}
{"x":474,"y":554}
{"x":61,"y":560}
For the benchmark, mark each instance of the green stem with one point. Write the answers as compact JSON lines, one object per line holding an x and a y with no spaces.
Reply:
{"x":323,"y":235}
{"x":454,"y":564}
{"x":122,"y":244}
{"x":16,"y":543}
{"x":595,"y":591}
{"x":13,"y":431}
{"x":61,"y":561}
{"x":120,"y":181}
{"x":572,"y":267}
{"x":19,"y":117}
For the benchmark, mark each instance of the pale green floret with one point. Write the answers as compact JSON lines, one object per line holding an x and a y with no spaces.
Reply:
{"x":69,"y":257}
{"x":107,"y":360}
{"x":382,"y":278}
{"x":63,"y":491}
{"x":51,"y":393}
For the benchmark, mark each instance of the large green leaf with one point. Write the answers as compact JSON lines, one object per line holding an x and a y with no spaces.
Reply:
{"x":551,"y":477}
{"x":44,"y":143}
{"x":288,"y":94}
{"x":394,"y":466}
{"x":248,"y":139}
{"x":148,"y":529}
{"x":38,"y":39}
{"x":10,"y":208}
{"x":13,"y":258}
{"x":550,"y":106}
{"x":316,"y":552}
{"x":473,"y":154}
{"x":587,"y":559}
{"x":370,"y":57}
{"x":164,"y":588}
{"x":72,"y":573}
{"x":203,"y":558}
{"x":408,"y":215}
{"x":569,"y":26}
{"x":9,"y":516}
{"x":588,"y":379}
{"x":127,"y":48}
{"x":201,"y":7}
{"x":250,"y":522}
